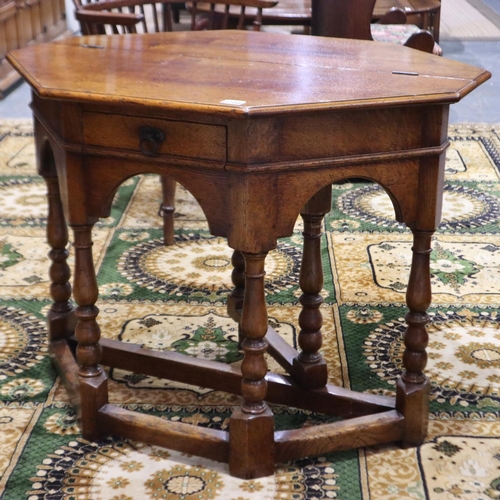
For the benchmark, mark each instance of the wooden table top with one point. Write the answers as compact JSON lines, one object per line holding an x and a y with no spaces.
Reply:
{"x":298,"y":12}
{"x":409,"y":6}
{"x":241,"y":73}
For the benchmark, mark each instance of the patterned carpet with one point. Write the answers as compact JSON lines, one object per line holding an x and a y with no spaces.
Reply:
{"x":173,"y":298}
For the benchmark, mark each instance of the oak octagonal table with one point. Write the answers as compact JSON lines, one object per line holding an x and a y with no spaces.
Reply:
{"x":257,"y":127}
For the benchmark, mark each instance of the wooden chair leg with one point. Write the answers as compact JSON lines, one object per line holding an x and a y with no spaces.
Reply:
{"x":167,"y":208}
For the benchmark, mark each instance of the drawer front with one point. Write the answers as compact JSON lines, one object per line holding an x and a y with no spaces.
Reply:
{"x":154,"y":137}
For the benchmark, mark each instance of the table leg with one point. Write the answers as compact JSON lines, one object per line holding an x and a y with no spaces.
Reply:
{"x":309,"y":367}
{"x":251,"y":436}
{"x":60,"y":318}
{"x":235,"y":299}
{"x":167,"y":208}
{"x":93,"y":380}
{"x":412,"y":395}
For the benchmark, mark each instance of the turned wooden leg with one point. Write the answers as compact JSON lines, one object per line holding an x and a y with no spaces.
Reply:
{"x":93,"y":381}
{"x":61,"y":320}
{"x":235,"y":300}
{"x":412,"y":395}
{"x":251,"y":437}
{"x":167,"y":208}
{"x":309,"y":368}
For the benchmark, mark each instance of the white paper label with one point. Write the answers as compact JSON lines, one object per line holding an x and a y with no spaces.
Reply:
{"x":233,"y":102}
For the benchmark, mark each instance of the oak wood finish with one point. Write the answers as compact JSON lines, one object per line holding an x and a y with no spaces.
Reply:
{"x":167,"y":208}
{"x":208,"y":443}
{"x":297,"y":114}
{"x":355,"y":433}
{"x":281,"y":389}
{"x":309,"y":368}
{"x":148,"y":16}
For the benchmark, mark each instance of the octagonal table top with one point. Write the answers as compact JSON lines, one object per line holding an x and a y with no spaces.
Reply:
{"x":241,"y":72}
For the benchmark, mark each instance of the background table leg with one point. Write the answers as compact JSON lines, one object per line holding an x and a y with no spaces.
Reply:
{"x":167,"y":208}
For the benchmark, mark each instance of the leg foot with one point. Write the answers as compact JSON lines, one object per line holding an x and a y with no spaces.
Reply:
{"x":251,"y":444}
{"x":412,"y":401}
{"x":310,"y":376}
{"x":94,"y":395}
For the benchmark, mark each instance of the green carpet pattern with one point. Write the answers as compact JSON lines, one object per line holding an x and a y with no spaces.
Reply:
{"x":173,"y":298}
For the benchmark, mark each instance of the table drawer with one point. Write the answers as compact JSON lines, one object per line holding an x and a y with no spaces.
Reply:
{"x":154,"y":137}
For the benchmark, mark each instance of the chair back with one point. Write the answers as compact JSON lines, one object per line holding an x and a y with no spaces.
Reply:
{"x":227,"y":14}
{"x":342,"y":18}
{"x":352,"y":19}
{"x":148,"y":16}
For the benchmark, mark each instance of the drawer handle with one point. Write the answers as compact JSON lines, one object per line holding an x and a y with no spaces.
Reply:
{"x":150,"y":139}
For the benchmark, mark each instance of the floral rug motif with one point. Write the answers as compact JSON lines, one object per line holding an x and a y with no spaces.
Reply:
{"x":471,"y":456}
{"x":173,"y":298}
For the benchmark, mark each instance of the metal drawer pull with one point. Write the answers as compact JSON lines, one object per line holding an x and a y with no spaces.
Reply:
{"x":150,"y":139}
